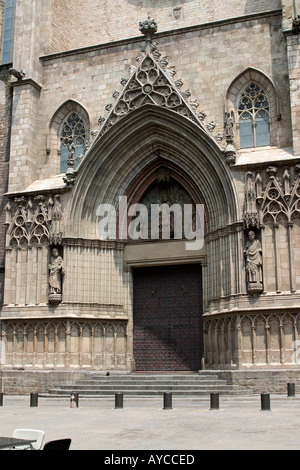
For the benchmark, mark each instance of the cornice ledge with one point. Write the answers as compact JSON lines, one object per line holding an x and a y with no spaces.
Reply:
{"x":25,"y":82}
{"x":225,"y":231}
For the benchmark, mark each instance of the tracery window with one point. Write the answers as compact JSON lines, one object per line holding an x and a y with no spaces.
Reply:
{"x":254,"y":117}
{"x":73,"y":138}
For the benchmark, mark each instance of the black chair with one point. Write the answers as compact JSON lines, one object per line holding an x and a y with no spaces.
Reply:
{"x":60,"y":444}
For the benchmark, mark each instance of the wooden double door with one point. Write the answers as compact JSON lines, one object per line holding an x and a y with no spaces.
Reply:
{"x":167,"y":318}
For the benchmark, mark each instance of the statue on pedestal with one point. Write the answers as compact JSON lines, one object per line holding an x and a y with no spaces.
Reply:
{"x":56,"y":272}
{"x":253,"y":257}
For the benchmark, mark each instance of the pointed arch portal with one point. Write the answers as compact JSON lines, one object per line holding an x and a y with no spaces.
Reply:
{"x":152,"y":148}
{"x":165,"y":311}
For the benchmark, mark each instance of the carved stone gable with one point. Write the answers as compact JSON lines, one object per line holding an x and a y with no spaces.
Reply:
{"x":151,"y":83}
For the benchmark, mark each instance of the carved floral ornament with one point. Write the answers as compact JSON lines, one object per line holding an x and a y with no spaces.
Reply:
{"x":272,"y":195}
{"x":33,"y":221}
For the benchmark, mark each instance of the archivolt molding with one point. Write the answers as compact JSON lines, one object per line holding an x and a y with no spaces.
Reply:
{"x":139,"y":140}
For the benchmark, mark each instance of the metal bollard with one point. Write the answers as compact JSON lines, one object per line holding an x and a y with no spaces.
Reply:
{"x":265,"y":402}
{"x":214,"y":401}
{"x":1,"y":399}
{"x":291,"y":389}
{"x":168,"y":401}
{"x":34,"y":400}
{"x":74,"y":400}
{"x":118,"y":400}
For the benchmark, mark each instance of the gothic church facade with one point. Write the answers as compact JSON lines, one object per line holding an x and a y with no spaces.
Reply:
{"x":126,"y":105}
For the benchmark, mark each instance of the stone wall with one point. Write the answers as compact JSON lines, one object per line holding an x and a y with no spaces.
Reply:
{"x":293,"y":50}
{"x":20,"y":382}
{"x":91,"y":77}
{"x":80,"y":63}
{"x":5,"y":120}
{"x":66,"y":33}
{"x":24,"y":152}
{"x":112,"y":20}
{"x":262,"y":381}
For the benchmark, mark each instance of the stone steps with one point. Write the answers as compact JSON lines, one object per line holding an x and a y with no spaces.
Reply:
{"x":148,"y":385}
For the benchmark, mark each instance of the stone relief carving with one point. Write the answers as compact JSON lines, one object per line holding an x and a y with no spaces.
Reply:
{"x":37,"y":222}
{"x":33,"y":221}
{"x":272,"y":198}
{"x":250,"y":327}
{"x":55,"y":237}
{"x":56,"y":273}
{"x":281,"y":196}
{"x":251,"y":216}
{"x":271,"y":195}
{"x":69,"y":178}
{"x":168,"y":191}
{"x":18,"y":74}
{"x":149,"y":85}
{"x":177,"y":12}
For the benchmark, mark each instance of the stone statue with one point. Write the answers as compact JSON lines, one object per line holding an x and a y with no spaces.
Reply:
{"x":253,"y":256}
{"x":56,"y":271}
{"x":229,"y":124}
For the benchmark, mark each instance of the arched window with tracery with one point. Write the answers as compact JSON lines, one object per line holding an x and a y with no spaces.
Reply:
{"x":73,"y":135}
{"x":254,"y":117}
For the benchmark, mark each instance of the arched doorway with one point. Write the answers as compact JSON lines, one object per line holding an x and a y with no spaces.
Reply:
{"x":167,"y":292}
{"x":123,"y":163}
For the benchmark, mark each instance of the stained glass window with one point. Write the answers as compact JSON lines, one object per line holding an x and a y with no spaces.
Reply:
{"x":254,"y":117}
{"x":73,"y":134}
{"x":8,"y":31}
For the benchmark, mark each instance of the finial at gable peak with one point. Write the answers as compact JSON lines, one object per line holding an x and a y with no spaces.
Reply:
{"x":148,"y":28}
